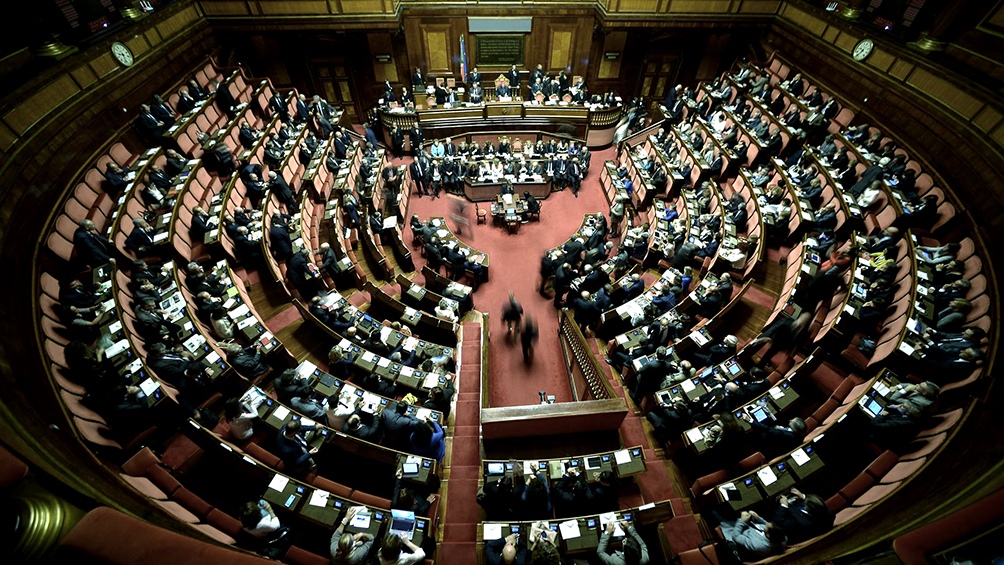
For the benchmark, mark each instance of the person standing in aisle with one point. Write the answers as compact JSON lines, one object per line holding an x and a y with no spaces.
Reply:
{"x":527,"y":338}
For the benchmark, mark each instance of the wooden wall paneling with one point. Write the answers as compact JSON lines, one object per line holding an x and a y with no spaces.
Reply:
{"x":611,"y":69}
{"x":437,"y":48}
{"x":560,"y":41}
{"x":382,"y":44}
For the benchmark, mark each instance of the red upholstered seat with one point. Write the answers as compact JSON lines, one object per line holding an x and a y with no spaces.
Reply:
{"x":881,"y":465}
{"x":144,"y":486}
{"x":943,"y":422}
{"x":370,"y":500}
{"x":95,"y":433}
{"x":107,"y":536}
{"x":334,"y":488}
{"x":903,"y":470}
{"x":298,"y":556}
{"x":214,"y":534}
{"x":848,"y":514}
{"x":857,"y":487}
{"x":876,"y":493}
{"x":224,"y":522}
{"x":923,"y":447}
{"x":701,"y":556}
{"x":192,"y":502}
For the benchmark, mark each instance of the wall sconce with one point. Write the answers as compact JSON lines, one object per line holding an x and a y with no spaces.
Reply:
{"x":612,"y":55}
{"x":383,"y":58}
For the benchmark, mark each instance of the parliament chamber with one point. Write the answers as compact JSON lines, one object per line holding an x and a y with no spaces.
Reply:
{"x":502,"y":281}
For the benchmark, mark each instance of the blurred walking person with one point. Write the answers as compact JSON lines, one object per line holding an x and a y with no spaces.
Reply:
{"x":528,"y":337}
{"x":512,"y":313}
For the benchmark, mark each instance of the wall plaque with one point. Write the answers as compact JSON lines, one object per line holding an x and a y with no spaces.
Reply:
{"x":499,"y":50}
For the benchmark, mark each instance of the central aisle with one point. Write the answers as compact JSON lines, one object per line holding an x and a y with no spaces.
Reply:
{"x":515,"y":265}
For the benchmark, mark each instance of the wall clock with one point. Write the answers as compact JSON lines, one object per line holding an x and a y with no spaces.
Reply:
{"x":863,"y":49}
{"x":123,"y":54}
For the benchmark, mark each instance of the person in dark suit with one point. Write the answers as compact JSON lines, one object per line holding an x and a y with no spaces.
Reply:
{"x":650,"y":376}
{"x":186,"y":102}
{"x":279,"y":106}
{"x":366,"y":430}
{"x":150,"y":128}
{"x":292,"y":447}
{"x":140,"y":239}
{"x":802,"y":516}
{"x":301,"y":276}
{"x":281,"y":244}
{"x":418,"y":169}
{"x":510,"y":550}
{"x":397,"y":141}
{"x":773,"y":441}
{"x":162,"y":111}
{"x":716,"y":353}
{"x":246,"y":251}
{"x":301,"y":109}
{"x":513,"y":76}
{"x":278,"y":186}
{"x":92,"y":249}
{"x":417,"y":80}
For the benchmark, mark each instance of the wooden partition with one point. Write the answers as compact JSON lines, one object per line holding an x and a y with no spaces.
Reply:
{"x":553,"y":419}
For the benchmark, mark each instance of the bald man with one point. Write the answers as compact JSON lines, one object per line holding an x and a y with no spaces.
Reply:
{"x":509,"y":550}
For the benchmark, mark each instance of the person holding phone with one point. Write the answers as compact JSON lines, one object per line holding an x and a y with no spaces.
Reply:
{"x":543,"y":544}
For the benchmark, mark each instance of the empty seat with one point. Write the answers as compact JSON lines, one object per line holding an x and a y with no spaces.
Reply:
{"x":334,"y":488}
{"x":370,"y":500}
{"x":903,"y":470}
{"x":192,"y":502}
{"x":876,"y":493}
{"x":881,"y":465}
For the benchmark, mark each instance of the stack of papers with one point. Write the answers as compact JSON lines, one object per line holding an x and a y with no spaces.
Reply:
{"x":319,"y":498}
{"x":622,"y":457}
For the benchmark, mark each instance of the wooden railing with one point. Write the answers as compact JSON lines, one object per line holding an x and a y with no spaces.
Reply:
{"x":584,"y":371}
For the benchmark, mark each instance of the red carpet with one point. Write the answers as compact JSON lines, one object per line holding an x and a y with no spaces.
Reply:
{"x":460,"y":530}
{"x":515,"y":265}
{"x":277,"y":323}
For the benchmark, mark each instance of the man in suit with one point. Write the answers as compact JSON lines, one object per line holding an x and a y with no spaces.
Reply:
{"x":279,"y":107}
{"x":301,"y":109}
{"x":716,"y":353}
{"x":278,"y":186}
{"x":418,"y":169}
{"x":538,"y":73}
{"x":502,"y":91}
{"x":300,"y":274}
{"x":417,"y":80}
{"x":224,"y":99}
{"x":140,"y":239}
{"x":293,"y":449}
{"x":150,"y":128}
{"x":773,"y":441}
{"x":473,"y":78}
{"x":650,"y":376}
{"x":510,"y":550}
{"x":417,"y":137}
{"x":397,"y":141}
{"x":162,"y":111}
{"x":282,"y":245}
{"x":802,"y":516}
{"x":185,"y":101}
{"x":476,"y":94}
{"x":513,"y":76}
{"x":92,"y":249}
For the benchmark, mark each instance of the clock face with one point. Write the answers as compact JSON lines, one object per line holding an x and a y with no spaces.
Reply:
{"x":863,"y":49}
{"x":122,"y":54}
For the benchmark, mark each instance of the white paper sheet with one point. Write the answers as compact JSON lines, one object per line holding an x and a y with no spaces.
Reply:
{"x":622,"y":457}
{"x":278,"y":482}
{"x":569,"y":529}
{"x":319,"y":498}
{"x":800,"y":457}
{"x":492,"y":531}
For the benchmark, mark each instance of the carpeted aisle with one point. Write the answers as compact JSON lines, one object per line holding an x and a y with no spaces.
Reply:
{"x":515,"y":265}
{"x":462,"y":517}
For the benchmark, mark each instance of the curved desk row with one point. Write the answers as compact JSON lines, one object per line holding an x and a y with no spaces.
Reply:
{"x":596,"y":126}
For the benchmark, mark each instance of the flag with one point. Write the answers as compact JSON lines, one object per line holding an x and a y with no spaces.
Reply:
{"x":463,"y":60}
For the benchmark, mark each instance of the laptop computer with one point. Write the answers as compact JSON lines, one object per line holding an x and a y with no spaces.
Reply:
{"x":402,"y":522}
